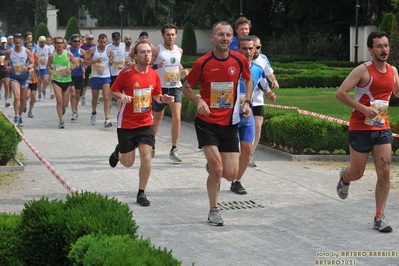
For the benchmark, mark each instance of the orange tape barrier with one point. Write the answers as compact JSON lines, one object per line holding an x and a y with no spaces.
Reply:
{"x":321,"y":116}
{"x":49,"y":167}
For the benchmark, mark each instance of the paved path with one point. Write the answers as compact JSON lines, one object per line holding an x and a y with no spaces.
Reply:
{"x":295,"y":217}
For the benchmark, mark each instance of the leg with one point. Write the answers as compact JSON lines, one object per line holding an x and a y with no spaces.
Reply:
{"x":176,"y":122}
{"x":145,"y":165}
{"x":32,"y":100}
{"x":94,"y":100}
{"x":45,"y":81}
{"x":245,"y":156}
{"x":358,"y":161}
{"x":106,"y":96}
{"x":65,"y":97}
{"x":382,"y":161}
{"x":7,"y":89}
{"x":215,"y":163}
{"x":73,"y":101}
{"x":22,"y":100}
{"x":258,"y":129}
{"x":157,"y":119}
{"x":39,"y":84}
{"x":59,"y":100}
{"x":16,"y":87}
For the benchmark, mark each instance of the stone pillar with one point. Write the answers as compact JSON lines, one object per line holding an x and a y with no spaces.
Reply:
{"x":52,"y":22}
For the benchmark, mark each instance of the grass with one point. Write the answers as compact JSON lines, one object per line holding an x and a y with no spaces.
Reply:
{"x":321,"y":101}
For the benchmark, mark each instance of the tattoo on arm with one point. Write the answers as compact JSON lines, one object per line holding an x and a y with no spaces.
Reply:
{"x":384,"y":162}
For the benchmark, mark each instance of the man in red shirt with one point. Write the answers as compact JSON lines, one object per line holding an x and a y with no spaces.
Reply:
{"x":135,"y":87}
{"x":218,"y":109}
{"x":369,"y":129}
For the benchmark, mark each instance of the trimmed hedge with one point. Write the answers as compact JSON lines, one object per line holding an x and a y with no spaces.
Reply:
{"x":9,"y":139}
{"x":10,"y":241}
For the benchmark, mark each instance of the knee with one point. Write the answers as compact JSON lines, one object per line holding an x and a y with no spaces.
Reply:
{"x":246,"y":150}
{"x":216,"y":169}
{"x":126,"y":162}
{"x":145,"y":160}
{"x":355,"y":174}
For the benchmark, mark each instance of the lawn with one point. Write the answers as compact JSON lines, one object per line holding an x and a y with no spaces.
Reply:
{"x":320,"y":101}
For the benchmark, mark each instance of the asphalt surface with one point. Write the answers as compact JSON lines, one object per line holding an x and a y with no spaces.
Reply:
{"x":290,"y":216}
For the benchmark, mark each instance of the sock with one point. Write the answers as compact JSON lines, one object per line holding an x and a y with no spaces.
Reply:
{"x":173,"y":147}
{"x":94,"y":113}
{"x":377,"y":213}
{"x":236,"y":180}
{"x":141,"y":191}
{"x":346,"y":182}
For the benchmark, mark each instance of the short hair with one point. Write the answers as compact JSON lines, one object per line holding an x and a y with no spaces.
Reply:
{"x":256,"y":38}
{"x":102,"y":36}
{"x":223,"y":23}
{"x":74,"y":36}
{"x":245,"y":38}
{"x":138,"y":43}
{"x":242,"y":20}
{"x":27,"y":34}
{"x":168,"y":26}
{"x":56,"y":38}
{"x":373,"y":35}
{"x":49,"y":36}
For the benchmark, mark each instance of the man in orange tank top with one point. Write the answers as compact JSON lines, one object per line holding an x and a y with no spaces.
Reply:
{"x":369,"y":129}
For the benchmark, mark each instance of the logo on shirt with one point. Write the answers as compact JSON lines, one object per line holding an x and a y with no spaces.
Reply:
{"x":173,"y":60}
{"x":232,"y":70}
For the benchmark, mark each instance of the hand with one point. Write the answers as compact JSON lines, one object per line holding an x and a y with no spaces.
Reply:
{"x":202,"y":107}
{"x":271,"y":96}
{"x":275,"y":84}
{"x":25,"y":68}
{"x":168,"y":99}
{"x":99,"y":60}
{"x":246,"y":110}
{"x":161,"y":64}
{"x":185,"y":72}
{"x":370,"y":112}
{"x":126,"y":99}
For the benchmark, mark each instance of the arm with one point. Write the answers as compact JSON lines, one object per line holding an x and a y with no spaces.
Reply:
{"x":202,"y":107}
{"x":110,"y":55}
{"x":164,"y":98}
{"x":49,"y":64}
{"x":31,"y":60}
{"x":181,"y":68}
{"x":358,"y":76}
{"x":6,"y":59}
{"x":396,"y":87}
{"x":248,"y":97}
{"x":274,"y":81}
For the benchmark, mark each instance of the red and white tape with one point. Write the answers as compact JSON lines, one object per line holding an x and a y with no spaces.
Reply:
{"x":321,"y":116}
{"x":46,"y":163}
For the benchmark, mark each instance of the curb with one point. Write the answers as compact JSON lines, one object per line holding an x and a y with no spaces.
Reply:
{"x":19,"y":167}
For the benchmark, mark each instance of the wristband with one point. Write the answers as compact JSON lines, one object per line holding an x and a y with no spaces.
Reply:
{"x":154,"y":66}
{"x":249,"y":102}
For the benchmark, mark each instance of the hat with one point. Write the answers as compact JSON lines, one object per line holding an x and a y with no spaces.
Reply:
{"x":10,"y":37}
{"x":143,"y":33}
{"x":116,"y":35}
{"x":42,"y":39}
{"x":3,"y":39}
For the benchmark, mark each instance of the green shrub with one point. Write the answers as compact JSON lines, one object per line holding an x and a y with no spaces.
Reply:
{"x":42,"y":229}
{"x":71,"y":28}
{"x":90,"y":212}
{"x":118,"y":250}
{"x":191,"y":112}
{"x":387,"y":22}
{"x":9,"y":139}
{"x":189,"y":42}
{"x":41,"y":30}
{"x":10,"y":240}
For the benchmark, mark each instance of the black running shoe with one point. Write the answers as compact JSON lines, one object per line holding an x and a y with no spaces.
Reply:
{"x":142,"y":200}
{"x":114,"y":157}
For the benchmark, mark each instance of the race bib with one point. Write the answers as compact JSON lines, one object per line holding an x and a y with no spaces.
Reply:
{"x":222,"y":95}
{"x":171,"y":75}
{"x":379,"y":120}
{"x":98,"y":68}
{"x":42,"y":60}
{"x":18,"y":68}
{"x":119,"y":62}
{"x":141,"y":102}
{"x":61,"y":71}
{"x":2,"y":60}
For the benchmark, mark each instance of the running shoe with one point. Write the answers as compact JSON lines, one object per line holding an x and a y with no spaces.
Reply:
{"x":7,"y":104}
{"x":142,"y":200}
{"x":52,"y":96}
{"x":24,"y":109}
{"x":83,"y":101}
{"x":61,"y":125}
{"x":107,"y":123}
{"x":16,"y":120}
{"x":93,"y":119}
{"x":153,"y":153}
{"x":74,"y":116}
{"x":39,"y":97}
{"x":63,"y":110}
{"x":114,"y":157}
{"x":237,"y":188}
{"x":175,"y":156}
{"x":381,"y":224}
{"x":252,"y":162}
{"x":214,"y":217}
{"x":20,"y":123}
{"x":30,"y":115}
{"x":342,"y":188}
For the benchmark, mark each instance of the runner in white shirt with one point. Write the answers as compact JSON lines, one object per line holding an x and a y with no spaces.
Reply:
{"x":43,"y":51}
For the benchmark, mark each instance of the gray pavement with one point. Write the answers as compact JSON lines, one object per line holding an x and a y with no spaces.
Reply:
{"x":291,"y":214}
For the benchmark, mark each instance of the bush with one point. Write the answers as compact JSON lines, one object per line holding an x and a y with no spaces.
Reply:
{"x":41,"y":30}
{"x":42,"y":229}
{"x":189,"y":42}
{"x":10,"y":241}
{"x":387,"y":23}
{"x":9,"y":139}
{"x":48,"y":228}
{"x":72,"y":28}
{"x":118,"y":250}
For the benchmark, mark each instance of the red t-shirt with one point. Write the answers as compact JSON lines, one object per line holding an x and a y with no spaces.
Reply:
{"x":379,"y":87}
{"x":219,"y":82}
{"x":141,"y":86}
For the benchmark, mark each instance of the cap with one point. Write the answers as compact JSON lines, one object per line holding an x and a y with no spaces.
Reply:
{"x":10,"y":37}
{"x":116,"y":35}
{"x":3,"y":39}
{"x":143,"y":33}
{"x":42,"y":39}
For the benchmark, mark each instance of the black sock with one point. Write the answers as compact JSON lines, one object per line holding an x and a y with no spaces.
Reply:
{"x":173,"y":147}
{"x":141,"y":191}
{"x":94,"y":113}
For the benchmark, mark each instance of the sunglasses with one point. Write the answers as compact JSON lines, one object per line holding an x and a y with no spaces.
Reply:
{"x":90,"y":39}
{"x":258,"y":47}
{"x":75,"y":41}
{"x":59,"y":43}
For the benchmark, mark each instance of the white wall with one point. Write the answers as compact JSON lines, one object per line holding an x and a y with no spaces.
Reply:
{"x":363,"y":33}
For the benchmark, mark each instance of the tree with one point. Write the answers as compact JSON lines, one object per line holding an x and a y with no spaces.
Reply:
{"x":41,"y":30}
{"x":387,"y":23}
{"x":189,"y":42}
{"x":41,"y":11}
{"x":72,"y":28}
